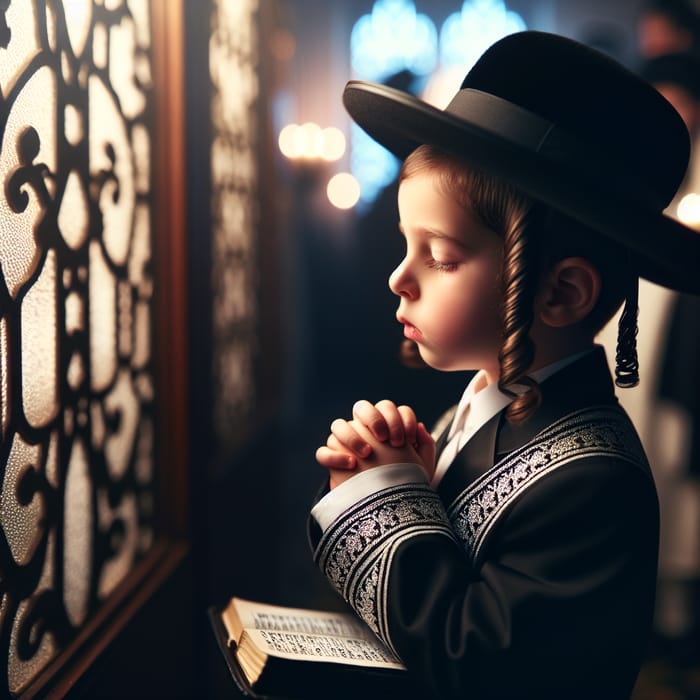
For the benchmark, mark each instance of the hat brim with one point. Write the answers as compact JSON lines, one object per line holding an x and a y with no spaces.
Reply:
{"x":662,"y":249}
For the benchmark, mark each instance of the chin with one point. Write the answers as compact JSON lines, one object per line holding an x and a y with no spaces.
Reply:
{"x":437,"y":363}
{"x":450,"y":364}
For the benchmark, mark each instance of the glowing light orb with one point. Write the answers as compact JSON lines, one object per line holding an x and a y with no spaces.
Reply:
{"x":689,"y":210}
{"x":332,"y":144}
{"x":343,"y":191}
{"x":309,"y":141}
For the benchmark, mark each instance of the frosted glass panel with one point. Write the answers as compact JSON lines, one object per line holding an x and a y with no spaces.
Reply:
{"x":4,"y":379}
{"x":20,"y":521}
{"x":78,"y":16}
{"x":142,"y":346}
{"x":122,"y":402}
{"x":76,"y":372}
{"x":144,"y":465}
{"x":103,"y":331}
{"x":73,"y":212}
{"x":40,"y":347}
{"x":77,"y":395}
{"x":141,"y":247}
{"x":140,"y":13}
{"x":122,"y":69}
{"x":77,"y":536}
{"x":142,"y":153}
{"x":233,"y":66}
{"x":125,"y":319}
{"x":22,"y":670}
{"x":121,"y":522}
{"x":75,"y":313}
{"x":99,"y":46}
{"x":23,"y":44}
{"x":51,"y":472}
{"x":29,"y":138}
{"x":73,"y":125}
{"x":112,"y":164}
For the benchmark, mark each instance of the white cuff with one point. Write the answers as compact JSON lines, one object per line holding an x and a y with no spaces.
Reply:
{"x":364,"y":484}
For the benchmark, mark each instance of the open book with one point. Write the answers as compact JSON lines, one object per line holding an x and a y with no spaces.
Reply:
{"x":282,"y":652}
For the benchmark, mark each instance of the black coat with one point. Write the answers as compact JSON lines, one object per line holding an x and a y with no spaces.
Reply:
{"x":531,"y":573}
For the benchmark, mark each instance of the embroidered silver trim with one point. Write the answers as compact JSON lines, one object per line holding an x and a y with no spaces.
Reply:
{"x":601,"y":431}
{"x":355,"y":553}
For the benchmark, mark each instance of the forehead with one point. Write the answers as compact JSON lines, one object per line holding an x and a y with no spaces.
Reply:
{"x":425,"y":194}
{"x":426,"y":205}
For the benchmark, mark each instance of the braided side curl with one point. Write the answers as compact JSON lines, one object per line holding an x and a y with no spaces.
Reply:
{"x":519,"y":281}
{"x":626,"y":359}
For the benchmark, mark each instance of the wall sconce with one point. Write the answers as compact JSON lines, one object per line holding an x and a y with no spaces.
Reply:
{"x":312,"y":144}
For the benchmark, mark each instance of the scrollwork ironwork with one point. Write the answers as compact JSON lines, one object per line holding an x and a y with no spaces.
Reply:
{"x":76,"y":494}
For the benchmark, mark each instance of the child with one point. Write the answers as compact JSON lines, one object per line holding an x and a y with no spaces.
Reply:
{"x":521,"y":563}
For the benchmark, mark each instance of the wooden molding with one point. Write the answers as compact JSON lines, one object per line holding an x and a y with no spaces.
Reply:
{"x":169,"y":222}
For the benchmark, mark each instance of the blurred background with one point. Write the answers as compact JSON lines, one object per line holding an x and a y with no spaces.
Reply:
{"x":249,"y":313}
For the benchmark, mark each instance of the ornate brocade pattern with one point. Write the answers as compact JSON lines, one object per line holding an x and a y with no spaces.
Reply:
{"x":590,"y":433}
{"x":355,"y":553}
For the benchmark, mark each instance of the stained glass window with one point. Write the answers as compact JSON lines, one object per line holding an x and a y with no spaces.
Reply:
{"x":392,"y":38}
{"x":395,"y":37}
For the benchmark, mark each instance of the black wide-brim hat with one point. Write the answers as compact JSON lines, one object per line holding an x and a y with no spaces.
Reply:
{"x":569,"y":127}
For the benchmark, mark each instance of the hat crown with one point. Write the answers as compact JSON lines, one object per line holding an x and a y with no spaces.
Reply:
{"x":569,"y":127}
{"x":594,"y":99}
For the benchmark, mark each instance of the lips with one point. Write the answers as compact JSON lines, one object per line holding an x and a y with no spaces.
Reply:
{"x":409,"y":330}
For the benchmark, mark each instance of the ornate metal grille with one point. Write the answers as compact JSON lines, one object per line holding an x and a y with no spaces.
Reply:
{"x":233,"y":60}
{"x":77,"y":401}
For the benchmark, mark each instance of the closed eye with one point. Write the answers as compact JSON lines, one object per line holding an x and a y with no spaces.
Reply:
{"x":442,"y":266}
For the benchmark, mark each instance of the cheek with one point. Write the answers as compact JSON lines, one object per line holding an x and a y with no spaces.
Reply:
{"x":469,"y":320}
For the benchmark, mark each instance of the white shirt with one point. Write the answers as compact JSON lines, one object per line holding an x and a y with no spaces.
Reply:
{"x":480,"y":402}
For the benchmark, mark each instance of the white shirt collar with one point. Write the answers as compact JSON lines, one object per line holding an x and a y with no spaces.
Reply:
{"x":483,"y":398}
{"x":484,"y":401}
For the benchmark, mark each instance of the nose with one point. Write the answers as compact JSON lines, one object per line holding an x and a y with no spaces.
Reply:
{"x":402,"y":282}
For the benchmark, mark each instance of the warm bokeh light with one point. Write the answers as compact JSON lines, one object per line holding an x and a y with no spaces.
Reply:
{"x":343,"y":191}
{"x":309,"y":141}
{"x":286,"y":140}
{"x":689,"y":210}
{"x":332,"y":144}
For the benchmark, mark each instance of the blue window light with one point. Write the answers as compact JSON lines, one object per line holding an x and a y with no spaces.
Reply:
{"x":466,"y":34}
{"x":394,"y":37}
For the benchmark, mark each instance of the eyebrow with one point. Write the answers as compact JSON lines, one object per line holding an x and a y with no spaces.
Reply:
{"x":431,"y":233}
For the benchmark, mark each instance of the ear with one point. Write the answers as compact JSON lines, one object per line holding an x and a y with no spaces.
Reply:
{"x":570,"y":292}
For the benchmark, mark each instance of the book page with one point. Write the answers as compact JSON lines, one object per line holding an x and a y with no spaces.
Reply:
{"x":356,"y":651}
{"x":275,"y":618}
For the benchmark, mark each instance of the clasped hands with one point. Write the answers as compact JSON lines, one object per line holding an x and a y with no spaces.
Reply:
{"x":377,"y":435}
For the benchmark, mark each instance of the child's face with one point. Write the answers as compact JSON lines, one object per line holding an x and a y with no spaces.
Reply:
{"x":448,"y":281}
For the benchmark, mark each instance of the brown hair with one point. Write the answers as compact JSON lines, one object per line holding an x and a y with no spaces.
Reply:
{"x":532,"y":242}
